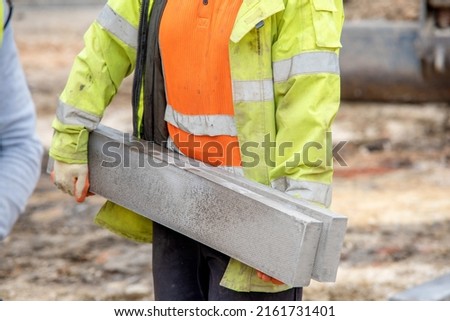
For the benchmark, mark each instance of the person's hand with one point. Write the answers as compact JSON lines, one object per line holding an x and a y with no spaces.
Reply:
{"x":268,"y":278}
{"x":72,"y":179}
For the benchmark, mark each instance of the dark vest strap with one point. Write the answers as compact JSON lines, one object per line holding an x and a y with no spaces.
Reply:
{"x":149,"y":70}
{"x":155,"y":127}
{"x":140,"y":63}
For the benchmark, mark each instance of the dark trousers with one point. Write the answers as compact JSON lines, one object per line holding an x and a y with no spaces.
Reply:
{"x":186,"y":270}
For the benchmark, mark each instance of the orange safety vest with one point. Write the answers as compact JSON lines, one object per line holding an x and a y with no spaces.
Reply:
{"x":194,"y":40}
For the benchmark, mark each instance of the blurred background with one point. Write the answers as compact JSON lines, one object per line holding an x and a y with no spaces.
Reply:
{"x":394,"y":183}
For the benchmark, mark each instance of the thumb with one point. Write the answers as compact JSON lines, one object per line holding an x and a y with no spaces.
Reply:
{"x":81,"y":188}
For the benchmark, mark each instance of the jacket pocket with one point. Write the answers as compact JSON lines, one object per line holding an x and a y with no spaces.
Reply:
{"x":327,"y":23}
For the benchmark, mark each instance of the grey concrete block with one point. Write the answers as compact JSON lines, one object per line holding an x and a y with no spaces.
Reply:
{"x":434,"y":290}
{"x":332,"y":234}
{"x":275,"y":234}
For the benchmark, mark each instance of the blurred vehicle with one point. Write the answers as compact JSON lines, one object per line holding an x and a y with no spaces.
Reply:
{"x":404,"y":61}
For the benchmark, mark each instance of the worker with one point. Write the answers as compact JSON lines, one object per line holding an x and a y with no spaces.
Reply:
{"x":247,"y":85}
{"x":20,"y":149}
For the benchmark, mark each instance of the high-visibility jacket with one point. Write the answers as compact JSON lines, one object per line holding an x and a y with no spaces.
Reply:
{"x":286,"y":93}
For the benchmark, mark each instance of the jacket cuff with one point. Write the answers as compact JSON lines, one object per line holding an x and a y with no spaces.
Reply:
{"x":70,"y":146}
{"x":316,"y":192}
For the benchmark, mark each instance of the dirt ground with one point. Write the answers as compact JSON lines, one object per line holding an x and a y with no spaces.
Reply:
{"x":382,"y":9}
{"x":394,"y":189}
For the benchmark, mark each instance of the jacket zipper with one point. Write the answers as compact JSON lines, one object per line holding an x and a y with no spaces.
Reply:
{"x":258,"y":38}
{"x":258,"y":26}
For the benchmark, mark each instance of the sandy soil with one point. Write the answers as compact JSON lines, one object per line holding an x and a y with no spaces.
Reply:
{"x":382,"y":9}
{"x":394,"y":190}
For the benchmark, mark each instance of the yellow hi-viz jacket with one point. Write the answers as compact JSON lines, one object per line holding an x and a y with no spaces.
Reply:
{"x":286,"y":92}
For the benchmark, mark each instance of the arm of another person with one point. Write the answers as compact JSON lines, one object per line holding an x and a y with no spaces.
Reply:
{"x":20,"y":149}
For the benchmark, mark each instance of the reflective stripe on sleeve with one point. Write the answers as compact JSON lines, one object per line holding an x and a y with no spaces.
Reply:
{"x":118,"y":26}
{"x":251,"y":91}
{"x":209,"y":125}
{"x":69,"y":115}
{"x":306,"y":63}
{"x":310,"y":191}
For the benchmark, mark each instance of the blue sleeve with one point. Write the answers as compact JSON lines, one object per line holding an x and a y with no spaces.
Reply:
{"x":20,"y":149}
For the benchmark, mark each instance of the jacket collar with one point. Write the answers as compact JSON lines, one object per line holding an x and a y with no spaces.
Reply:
{"x":251,"y":13}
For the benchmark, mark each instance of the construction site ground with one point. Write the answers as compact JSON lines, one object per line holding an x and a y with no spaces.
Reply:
{"x":393,"y":185}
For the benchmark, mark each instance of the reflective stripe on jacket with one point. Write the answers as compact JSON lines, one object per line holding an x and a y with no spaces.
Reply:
{"x":286,"y":92}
